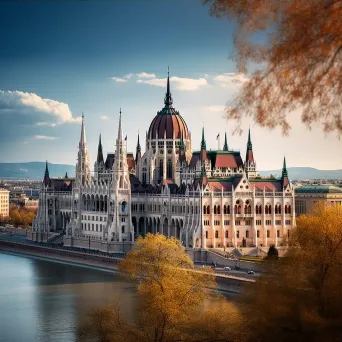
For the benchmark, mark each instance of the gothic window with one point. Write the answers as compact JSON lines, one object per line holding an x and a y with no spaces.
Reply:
{"x":224,"y":209}
{"x":144,"y":178}
{"x":266,"y":209}
{"x":123,"y":229}
{"x":249,"y":209}
{"x":258,"y":233}
{"x":268,"y":233}
{"x":237,"y":234}
{"x":208,"y":209}
{"x":169,"y":169}
{"x":226,"y":234}
{"x":218,"y":209}
{"x":216,"y":234}
{"x":206,"y":234}
{"x":215,"y":210}
{"x":247,"y":234}
{"x":269,"y":209}
{"x":239,"y":209}
{"x":246,"y":209}
{"x":161,"y":168}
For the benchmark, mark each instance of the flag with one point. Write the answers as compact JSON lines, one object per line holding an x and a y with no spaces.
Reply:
{"x":218,"y":135}
{"x":126,"y":138}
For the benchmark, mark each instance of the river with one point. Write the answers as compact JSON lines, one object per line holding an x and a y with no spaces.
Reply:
{"x":44,"y":301}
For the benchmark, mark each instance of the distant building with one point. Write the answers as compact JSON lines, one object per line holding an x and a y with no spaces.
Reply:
{"x":308,"y":195}
{"x":4,"y":202}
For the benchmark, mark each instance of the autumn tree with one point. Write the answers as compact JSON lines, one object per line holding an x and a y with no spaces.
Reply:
{"x":299,"y":298}
{"x":294,"y":48}
{"x":173,"y":300}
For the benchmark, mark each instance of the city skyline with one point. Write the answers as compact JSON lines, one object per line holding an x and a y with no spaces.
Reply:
{"x":106,"y":57}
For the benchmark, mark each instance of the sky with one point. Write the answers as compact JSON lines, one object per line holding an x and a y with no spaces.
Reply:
{"x":61,"y":58}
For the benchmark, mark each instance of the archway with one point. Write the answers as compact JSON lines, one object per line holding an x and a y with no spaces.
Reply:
{"x":141,"y":226}
{"x":165,"y":227}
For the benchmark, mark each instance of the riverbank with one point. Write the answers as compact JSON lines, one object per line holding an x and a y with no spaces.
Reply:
{"x":226,"y":283}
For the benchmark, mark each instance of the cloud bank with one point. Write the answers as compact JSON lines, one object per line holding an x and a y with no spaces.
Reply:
{"x":44,"y":137}
{"x":179,"y":83}
{"x":23,"y":102}
{"x":229,"y":78}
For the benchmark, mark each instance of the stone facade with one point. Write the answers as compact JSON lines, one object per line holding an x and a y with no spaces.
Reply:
{"x":204,"y":198}
{"x":4,"y":202}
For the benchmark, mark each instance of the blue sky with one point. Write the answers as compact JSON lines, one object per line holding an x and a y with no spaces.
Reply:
{"x":64,"y":57}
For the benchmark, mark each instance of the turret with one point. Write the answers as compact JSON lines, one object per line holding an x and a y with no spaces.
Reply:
{"x":138,"y":152}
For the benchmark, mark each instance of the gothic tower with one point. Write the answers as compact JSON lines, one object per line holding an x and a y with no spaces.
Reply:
{"x":250,"y":166}
{"x":83,"y":165}
{"x":120,"y":202}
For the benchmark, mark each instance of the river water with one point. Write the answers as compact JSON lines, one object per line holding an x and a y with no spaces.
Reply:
{"x":44,"y":301}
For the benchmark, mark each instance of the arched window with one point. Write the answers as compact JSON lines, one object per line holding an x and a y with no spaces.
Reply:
{"x":269,"y":209}
{"x":279,"y":209}
{"x":247,"y":234}
{"x":276,"y":209}
{"x":268,"y":233}
{"x":289,"y":209}
{"x":246,"y":208}
{"x":239,"y":209}
{"x":123,"y":229}
{"x":226,"y":234}
{"x":224,"y":209}
{"x":161,"y":168}
{"x":208,"y":209}
{"x":266,"y":209}
{"x":169,"y":169}
{"x":238,"y":234}
{"x":228,"y":209}
{"x":286,"y":210}
{"x":257,"y":209}
{"x":215,"y":212}
{"x":235,"y":209}
{"x":218,"y":209}
{"x":204,"y":210}
{"x":249,"y":209}
{"x":123,"y":206}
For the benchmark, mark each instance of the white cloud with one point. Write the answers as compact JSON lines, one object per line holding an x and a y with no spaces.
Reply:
{"x":44,"y":137}
{"x":19,"y":100}
{"x":229,"y":78}
{"x":50,"y":124}
{"x":216,"y":109}
{"x":146,"y":75}
{"x":179,"y":83}
{"x":104,"y":117}
{"x":128,"y":76}
{"x":119,"y":80}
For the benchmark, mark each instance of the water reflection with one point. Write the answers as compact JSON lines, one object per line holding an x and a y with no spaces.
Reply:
{"x":45,"y":301}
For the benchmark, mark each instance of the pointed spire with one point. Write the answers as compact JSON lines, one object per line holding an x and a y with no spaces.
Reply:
{"x":138,"y":145}
{"x":46,"y":180}
{"x":100,"y":152}
{"x":284,"y":171}
{"x":168,"y":97}
{"x":225,"y":146}
{"x":203,"y":144}
{"x":120,"y":127}
{"x":284,"y":176}
{"x":66,"y":175}
{"x":249,"y":142}
{"x":83,"y":136}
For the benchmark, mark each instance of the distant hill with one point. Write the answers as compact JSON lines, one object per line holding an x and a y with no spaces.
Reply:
{"x":34,"y":170}
{"x":301,"y":173}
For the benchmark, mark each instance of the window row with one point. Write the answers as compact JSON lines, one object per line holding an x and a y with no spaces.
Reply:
{"x":91,"y":226}
{"x":94,"y":218}
{"x":247,"y":209}
{"x":247,"y":235}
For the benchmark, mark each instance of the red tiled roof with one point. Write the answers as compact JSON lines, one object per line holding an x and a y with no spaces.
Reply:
{"x":130,"y":163}
{"x":226,"y":161}
{"x":269,"y":186}
{"x":217,"y":185}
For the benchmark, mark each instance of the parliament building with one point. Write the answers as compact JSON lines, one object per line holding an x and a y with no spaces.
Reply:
{"x":205,"y":198}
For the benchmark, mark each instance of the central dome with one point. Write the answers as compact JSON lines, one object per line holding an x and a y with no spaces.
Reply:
{"x":168,"y":122}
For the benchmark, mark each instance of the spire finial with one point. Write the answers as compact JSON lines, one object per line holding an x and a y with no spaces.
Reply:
{"x":225,"y":146}
{"x":249,"y":142}
{"x":284,"y":171}
{"x":83,"y":136}
{"x":203,"y":144}
{"x":168,"y":97}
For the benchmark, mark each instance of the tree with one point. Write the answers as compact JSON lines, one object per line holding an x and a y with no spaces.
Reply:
{"x":295,"y":47}
{"x":172,"y":300}
{"x":299,"y":298}
{"x":272,"y":252}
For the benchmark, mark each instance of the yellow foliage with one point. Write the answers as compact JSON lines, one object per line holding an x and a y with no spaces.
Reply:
{"x":299,"y":44}
{"x":172,"y":300}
